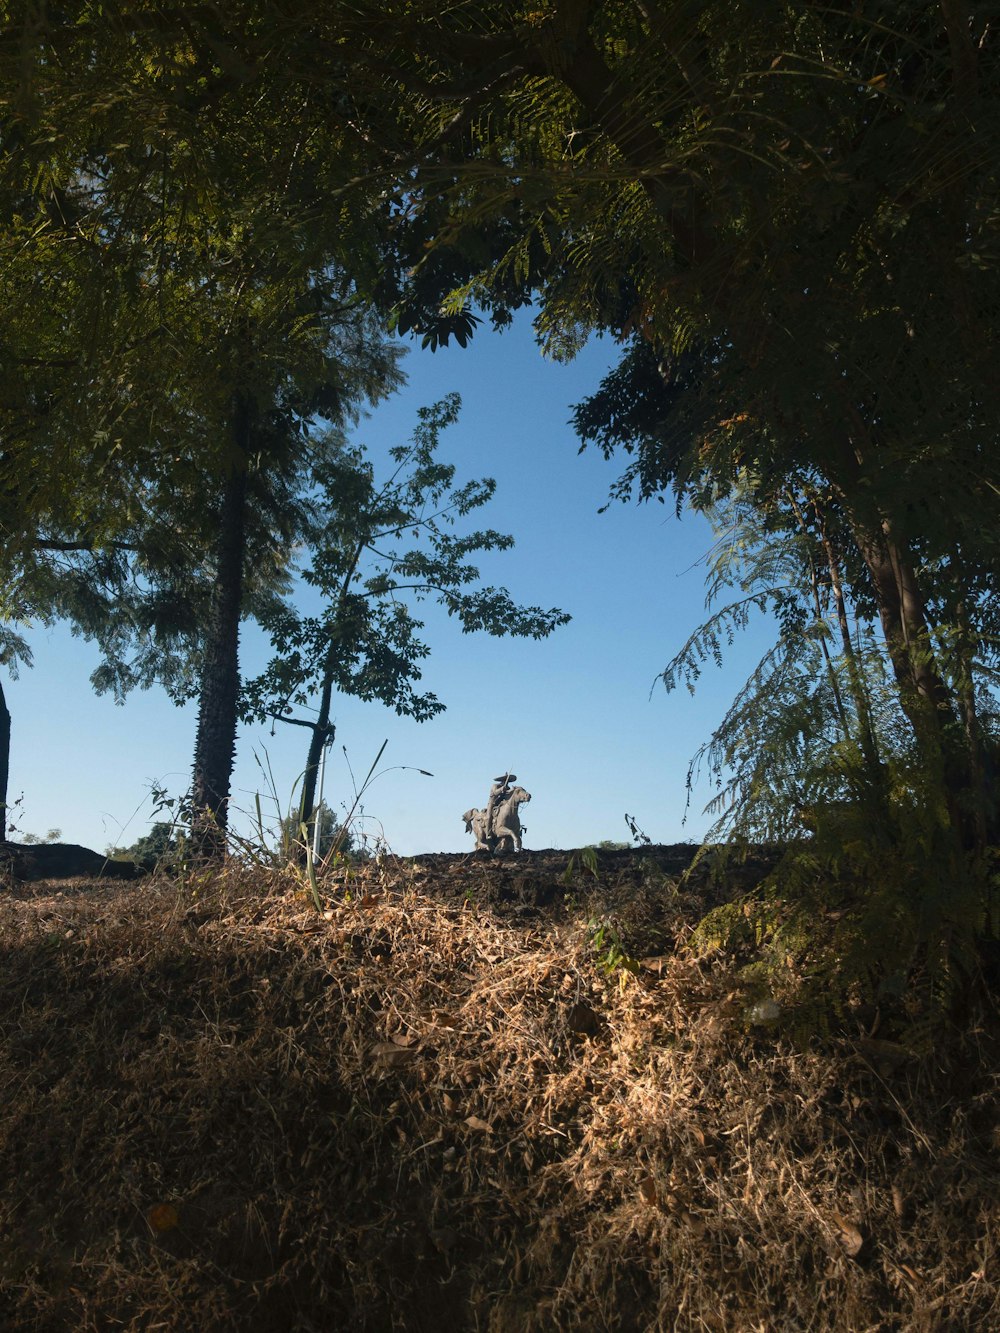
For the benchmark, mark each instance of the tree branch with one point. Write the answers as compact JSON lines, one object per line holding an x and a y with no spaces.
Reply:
{"x":53,"y":545}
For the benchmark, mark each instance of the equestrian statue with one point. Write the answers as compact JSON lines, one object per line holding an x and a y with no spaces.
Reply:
{"x":499,"y":822}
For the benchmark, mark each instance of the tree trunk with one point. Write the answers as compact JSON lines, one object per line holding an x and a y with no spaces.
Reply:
{"x":859,"y":690}
{"x":984,"y":804}
{"x":4,"y":762}
{"x":321,"y":733}
{"x":215,"y":743}
{"x":926,"y":699}
{"x":322,"y":730}
{"x":845,"y":724}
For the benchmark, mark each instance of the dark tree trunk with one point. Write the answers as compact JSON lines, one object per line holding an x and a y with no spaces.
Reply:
{"x":814,"y":583}
{"x":859,"y":689}
{"x":927,"y":701}
{"x":321,"y":733}
{"x":984,"y":804}
{"x":4,"y":762}
{"x":925,"y":697}
{"x":322,"y":730}
{"x":215,"y":743}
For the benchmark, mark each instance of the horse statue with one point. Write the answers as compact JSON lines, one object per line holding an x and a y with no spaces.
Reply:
{"x":506,"y":823}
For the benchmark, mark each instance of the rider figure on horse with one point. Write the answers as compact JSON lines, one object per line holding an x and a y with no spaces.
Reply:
{"x":498,"y":794}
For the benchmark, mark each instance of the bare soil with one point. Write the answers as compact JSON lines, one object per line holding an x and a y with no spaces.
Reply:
{"x":451,"y":1100}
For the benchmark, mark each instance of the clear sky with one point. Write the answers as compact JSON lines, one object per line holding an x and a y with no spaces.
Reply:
{"x":578,"y":717}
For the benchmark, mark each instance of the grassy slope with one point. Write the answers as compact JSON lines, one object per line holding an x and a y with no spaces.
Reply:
{"x":434,"y":1110}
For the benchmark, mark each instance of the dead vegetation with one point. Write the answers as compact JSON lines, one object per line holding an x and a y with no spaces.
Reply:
{"x":448,"y":1103}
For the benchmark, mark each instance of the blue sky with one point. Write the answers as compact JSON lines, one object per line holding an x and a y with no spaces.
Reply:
{"x":577,"y":716}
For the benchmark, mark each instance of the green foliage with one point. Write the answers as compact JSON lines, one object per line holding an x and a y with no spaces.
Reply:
{"x":584,"y":860}
{"x":751,"y":193}
{"x":861,"y":919}
{"x":200,"y":319}
{"x":788,"y":215}
{"x":156,"y":259}
{"x":162,"y":846}
{"x":874,"y":901}
{"x":36,"y":839}
{"x":331,"y":834}
{"x":382,"y":548}
{"x":609,"y":952}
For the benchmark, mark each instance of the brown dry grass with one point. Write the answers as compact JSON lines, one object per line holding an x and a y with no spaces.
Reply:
{"x":222,"y":1111}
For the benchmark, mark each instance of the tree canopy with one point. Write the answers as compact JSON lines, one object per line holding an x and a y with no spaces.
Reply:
{"x":382,"y":546}
{"x":786,"y":214}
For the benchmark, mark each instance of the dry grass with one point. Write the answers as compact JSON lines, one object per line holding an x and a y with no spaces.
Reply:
{"x":221,"y":1111}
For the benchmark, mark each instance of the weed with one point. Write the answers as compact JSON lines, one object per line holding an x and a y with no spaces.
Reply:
{"x":585,"y":860}
{"x":609,"y":952}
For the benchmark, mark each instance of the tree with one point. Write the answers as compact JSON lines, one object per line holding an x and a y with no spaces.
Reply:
{"x":13,"y":652}
{"x":220,"y":683}
{"x":155,"y":848}
{"x":365,"y":640}
{"x":815,"y":724}
{"x":212,"y":353}
{"x":710,"y":141}
{"x":331,"y":833}
{"x":790,"y":211}
{"x":793,"y":207}
{"x":793,"y":210}
{"x":882,"y":892}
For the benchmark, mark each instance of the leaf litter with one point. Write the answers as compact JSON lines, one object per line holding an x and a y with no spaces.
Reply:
{"x":431,"y":1105}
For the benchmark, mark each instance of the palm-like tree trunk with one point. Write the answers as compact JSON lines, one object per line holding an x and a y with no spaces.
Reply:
{"x":215,"y":743}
